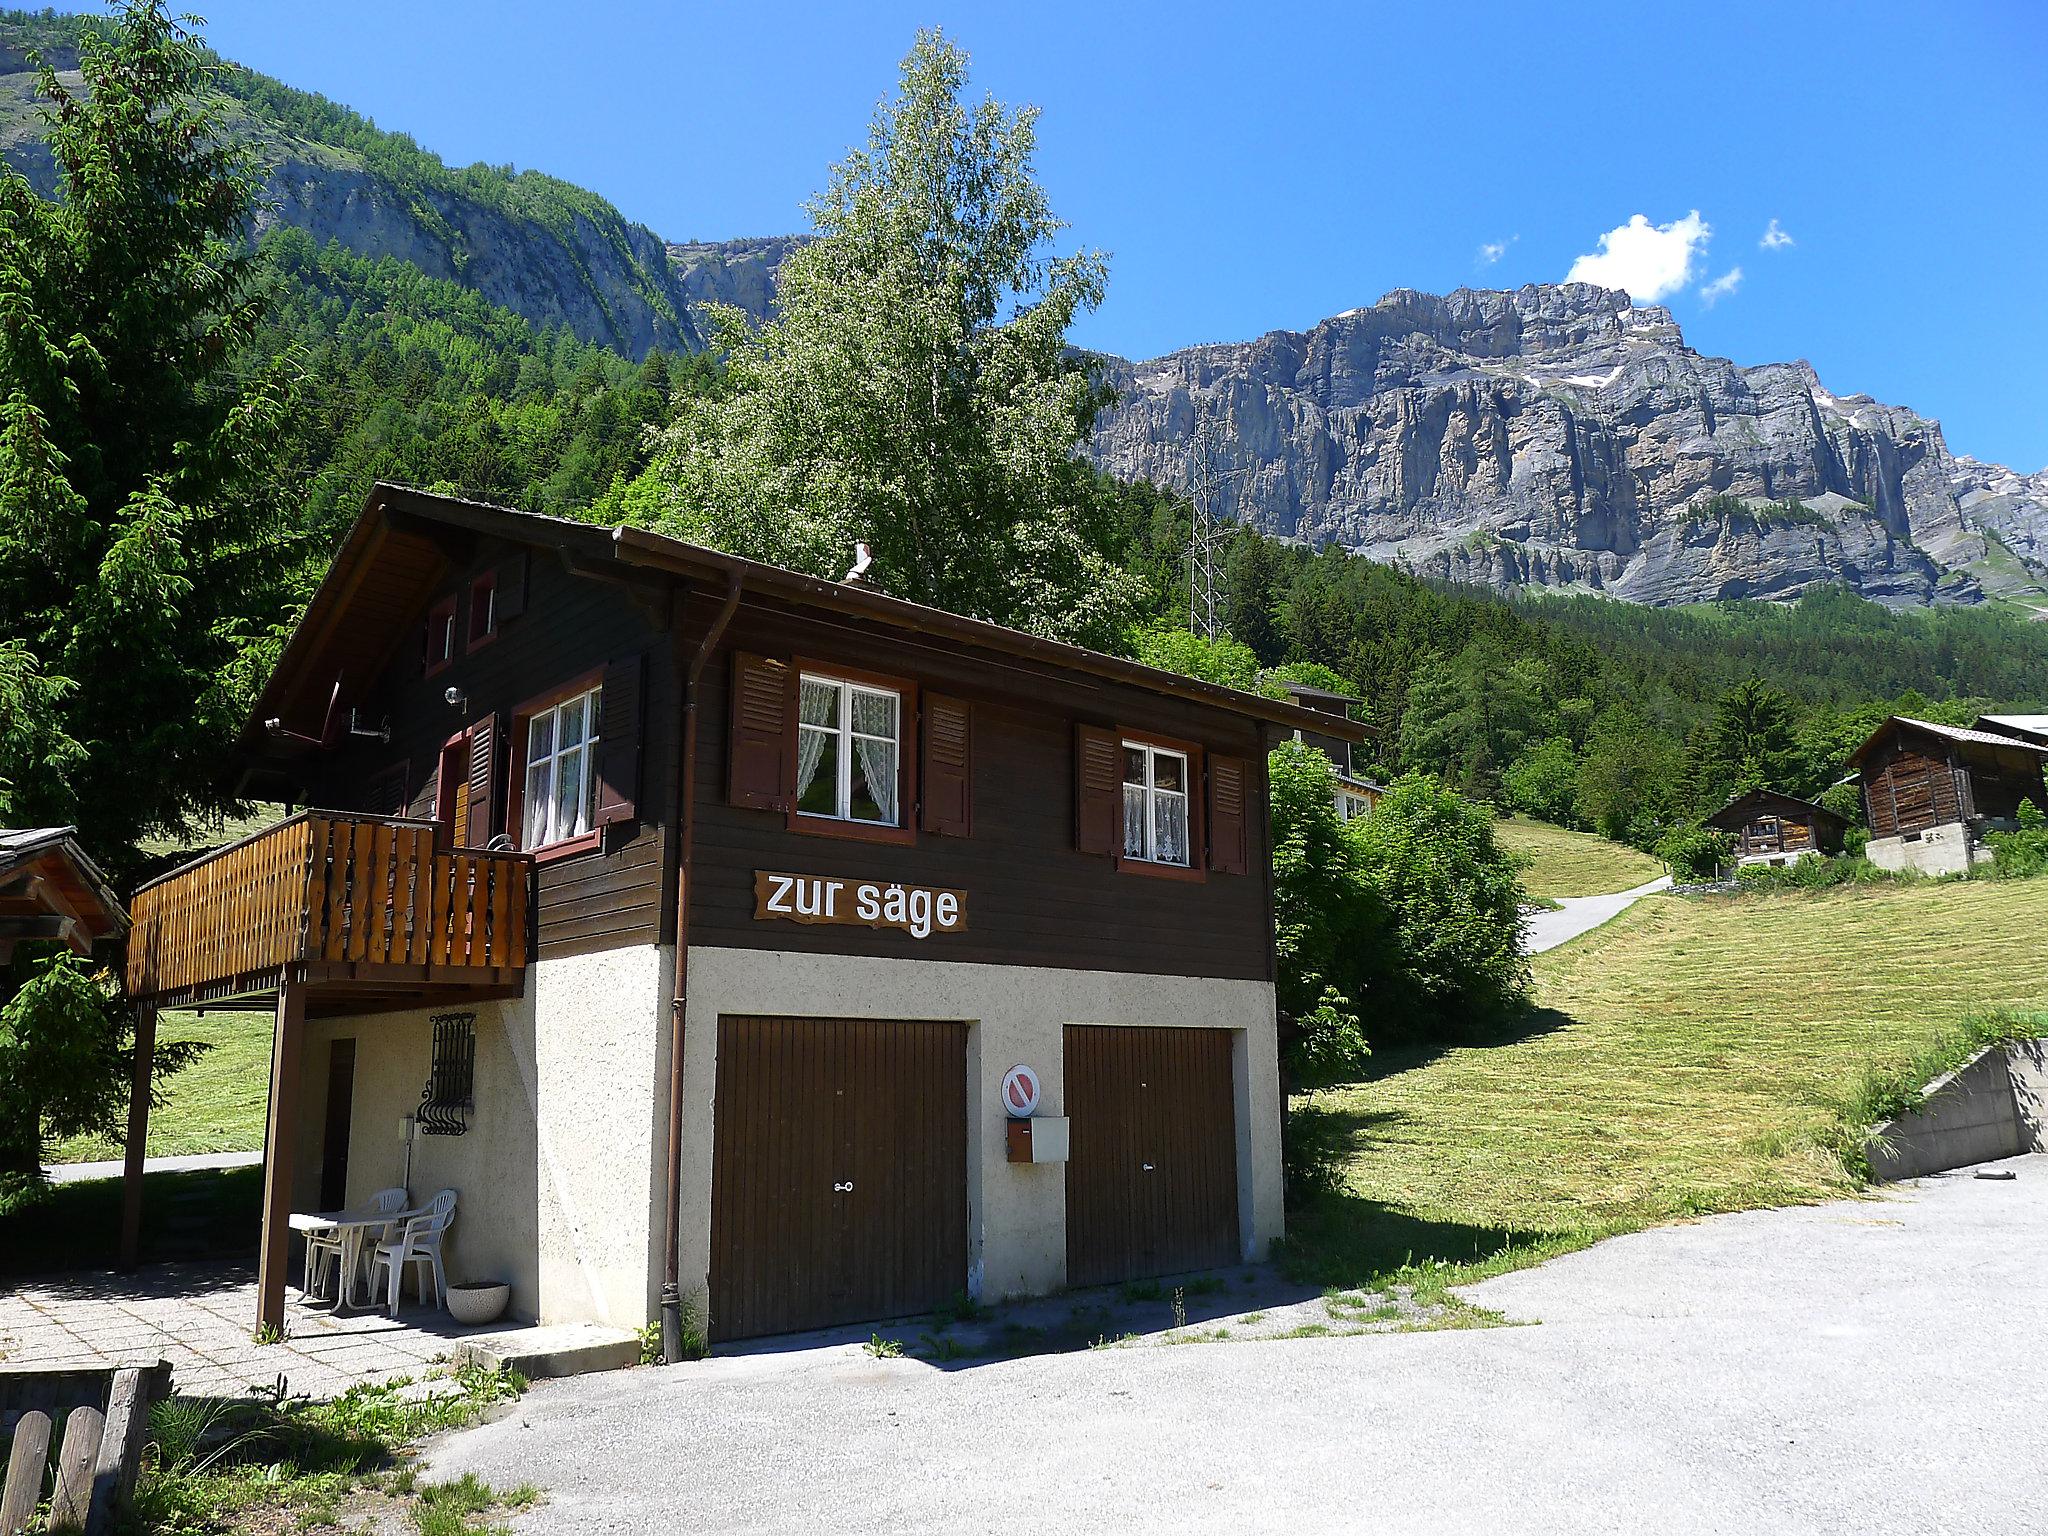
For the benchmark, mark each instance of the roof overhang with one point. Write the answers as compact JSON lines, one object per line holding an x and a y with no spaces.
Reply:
{"x":50,"y":889}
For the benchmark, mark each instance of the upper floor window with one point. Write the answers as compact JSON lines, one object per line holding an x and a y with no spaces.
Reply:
{"x":437,"y":644}
{"x":848,"y":752}
{"x":483,"y":609}
{"x":561,"y":776}
{"x":1155,"y":804}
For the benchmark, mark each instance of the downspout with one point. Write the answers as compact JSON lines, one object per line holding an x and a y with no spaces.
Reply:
{"x":686,"y":821}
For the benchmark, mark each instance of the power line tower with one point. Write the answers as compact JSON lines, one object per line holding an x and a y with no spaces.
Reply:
{"x":1207,"y":484}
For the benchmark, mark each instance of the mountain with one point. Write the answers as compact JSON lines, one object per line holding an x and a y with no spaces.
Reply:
{"x":1559,"y":436}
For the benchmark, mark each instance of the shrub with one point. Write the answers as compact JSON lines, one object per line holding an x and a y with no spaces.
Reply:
{"x":1544,"y":782}
{"x":2021,"y":854}
{"x":1694,"y":853}
{"x":1813,"y":873}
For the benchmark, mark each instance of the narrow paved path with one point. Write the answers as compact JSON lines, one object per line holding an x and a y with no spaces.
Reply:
{"x":78,"y":1173}
{"x":1869,"y":1366}
{"x":1582,"y":914}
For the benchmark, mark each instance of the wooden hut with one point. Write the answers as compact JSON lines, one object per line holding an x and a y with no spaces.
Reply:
{"x":1770,"y":828}
{"x":49,"y":889}
{"x":1932,"y":792}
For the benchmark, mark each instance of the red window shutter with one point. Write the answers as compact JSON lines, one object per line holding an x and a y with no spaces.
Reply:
{"x":1229,"y":822}
{"x":618,"y":742}
{"x":758,"y":773}
{"x":483,"y":783}
{"x":1098,"y":791}
{"x":948,"y":768}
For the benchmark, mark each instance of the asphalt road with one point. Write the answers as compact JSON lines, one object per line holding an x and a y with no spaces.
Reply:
{"x":1871,"y":1365}
{"x":1575,"y":915}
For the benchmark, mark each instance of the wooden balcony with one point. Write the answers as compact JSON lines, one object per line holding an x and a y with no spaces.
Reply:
{"x":360,"y":912}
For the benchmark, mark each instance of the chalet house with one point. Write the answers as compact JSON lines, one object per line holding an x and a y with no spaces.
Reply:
{"x":1356,"y":794}
{"x":1931,"y":792}
{"x":1770,"y":828}
{"x":688,"y":917}
{"x":2032,"y":728}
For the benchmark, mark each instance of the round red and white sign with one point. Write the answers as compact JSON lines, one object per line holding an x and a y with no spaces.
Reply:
{"x":1020,"y":1091}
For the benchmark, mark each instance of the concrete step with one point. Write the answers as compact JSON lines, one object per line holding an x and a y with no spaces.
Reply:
{"x":552,"y":1349}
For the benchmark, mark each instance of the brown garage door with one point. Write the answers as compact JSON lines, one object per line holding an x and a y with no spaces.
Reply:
{"x":839,"y":1180}
{"x":1152,"y":1170}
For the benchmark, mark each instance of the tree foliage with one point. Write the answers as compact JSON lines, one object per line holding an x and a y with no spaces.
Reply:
{"x":915,"y":390}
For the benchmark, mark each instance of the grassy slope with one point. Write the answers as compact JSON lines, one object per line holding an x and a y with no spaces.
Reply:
{"x":215,"y":1105}
{"x":1574,"y":863}
{"x":1685,"y":1062}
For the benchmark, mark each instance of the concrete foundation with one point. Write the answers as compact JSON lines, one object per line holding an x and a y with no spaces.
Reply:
{"x":1992,"y":1107}
{"x":1943,"y":850}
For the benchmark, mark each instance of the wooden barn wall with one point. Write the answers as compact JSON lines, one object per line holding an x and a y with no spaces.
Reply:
{"x":573,"y":624}
{"x":1032,"y":899}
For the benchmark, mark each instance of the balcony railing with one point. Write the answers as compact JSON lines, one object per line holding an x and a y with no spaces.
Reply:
{"x":330,"y":898}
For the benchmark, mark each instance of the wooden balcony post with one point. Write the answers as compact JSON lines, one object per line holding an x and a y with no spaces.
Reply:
{"x":279,"y":1152}
{"x":138,"y":1134}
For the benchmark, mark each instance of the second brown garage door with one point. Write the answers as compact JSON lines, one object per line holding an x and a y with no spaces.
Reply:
{"x":1152,"y":1164}
{"x":839,"y":1173}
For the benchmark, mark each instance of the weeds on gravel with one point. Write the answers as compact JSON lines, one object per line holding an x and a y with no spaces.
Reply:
{"x":883,"y":1349}
{"x":455,"y":1508}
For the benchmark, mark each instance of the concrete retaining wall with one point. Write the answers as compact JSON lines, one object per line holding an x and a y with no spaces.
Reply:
{"x":1993,"y":1106}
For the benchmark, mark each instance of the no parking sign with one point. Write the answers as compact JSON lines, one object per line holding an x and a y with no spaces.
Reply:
{"x":1020,"y":1091}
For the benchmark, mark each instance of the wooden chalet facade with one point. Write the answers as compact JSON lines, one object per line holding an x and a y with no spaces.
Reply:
{"x":1770,"y":828}
{"x":687,"y":916}
{"x":1931,"y":792}
{"x":1356,"y":794}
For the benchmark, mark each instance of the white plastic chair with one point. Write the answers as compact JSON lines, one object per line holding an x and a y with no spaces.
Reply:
{"x":418,"y":1243}
{"x":323,"y":1252}
{"x":385,"y":1202}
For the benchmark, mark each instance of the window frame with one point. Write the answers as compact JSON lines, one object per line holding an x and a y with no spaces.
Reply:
{"x":484,"y":590}
{"x":907,"y":721}
{"x":591,"y":683}
{"x":1197,"y":866}
{"x":440,"y":618}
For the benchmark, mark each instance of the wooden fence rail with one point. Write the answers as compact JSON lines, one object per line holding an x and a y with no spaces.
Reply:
{"x":92,"y":1473}
{"x":333,"y":889}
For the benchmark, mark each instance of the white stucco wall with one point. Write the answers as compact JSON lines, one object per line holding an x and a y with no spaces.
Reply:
{"x":560,"y":1175}
{"x":1017,"y":1219}
{"x":1943,"y":850}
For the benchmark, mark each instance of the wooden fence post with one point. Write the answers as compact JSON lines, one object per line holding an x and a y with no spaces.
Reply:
{"x":26,"y":1462}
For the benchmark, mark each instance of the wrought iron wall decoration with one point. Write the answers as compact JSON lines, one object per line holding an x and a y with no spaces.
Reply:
{"x":451,"y":1082}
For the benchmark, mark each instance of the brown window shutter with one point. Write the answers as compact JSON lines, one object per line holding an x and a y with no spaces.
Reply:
{"x":384,"y":794}
{"x":757,"y":756}
{"x":512,"y":586}
{"x":618,"y":742}
{"x":1229,"y":828}
{"x":1098,"y":791}
{"x":948,"y":768}
{"x":483,"y":785}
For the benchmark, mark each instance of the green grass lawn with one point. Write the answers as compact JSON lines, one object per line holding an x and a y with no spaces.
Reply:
{"x":1573,"y":863}
{"x":1691,"y":1056}
{"x":215,"y":1105}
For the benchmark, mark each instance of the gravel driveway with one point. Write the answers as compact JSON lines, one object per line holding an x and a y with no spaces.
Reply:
{"x":1869,"y":1365}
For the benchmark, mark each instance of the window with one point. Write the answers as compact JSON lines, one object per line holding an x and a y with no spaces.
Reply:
{"x":437,"y":642}
{"x":561,"y":771}
{"x":483,"y":609}
{"x":1155,"y":804}
{"x":451,"y":1081}
{"x":848,"y":750}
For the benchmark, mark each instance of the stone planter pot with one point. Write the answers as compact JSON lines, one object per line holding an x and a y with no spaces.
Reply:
{"x":478,"y":1301}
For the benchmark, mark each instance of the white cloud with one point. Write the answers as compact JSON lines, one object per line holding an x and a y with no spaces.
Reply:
{"x":1493,"y":250}
{"x":1775,"y":239}
{"x":1722,"y":286}
{"x":1651,"y":261}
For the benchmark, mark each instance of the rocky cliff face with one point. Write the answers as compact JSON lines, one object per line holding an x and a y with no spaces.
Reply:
{"x":1560,"y":436}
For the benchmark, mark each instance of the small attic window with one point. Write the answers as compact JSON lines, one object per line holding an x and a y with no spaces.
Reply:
{"x":483,"y":610}
{"x":437,"y":640}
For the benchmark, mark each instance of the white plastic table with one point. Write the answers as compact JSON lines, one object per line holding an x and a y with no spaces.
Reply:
{"x":353,"y":1226}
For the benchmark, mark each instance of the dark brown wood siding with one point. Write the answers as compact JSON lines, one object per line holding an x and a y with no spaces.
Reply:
{"x":1906,"y":790}
{"x":839,"y":1172}
{"x":571,"y":625}
{"x":1152,"y":1164}
{"x":1033,"y":898}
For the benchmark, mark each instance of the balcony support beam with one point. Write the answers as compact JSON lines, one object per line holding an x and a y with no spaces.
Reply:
{"x":138,"y":1134}
{"x":280,"y":1141}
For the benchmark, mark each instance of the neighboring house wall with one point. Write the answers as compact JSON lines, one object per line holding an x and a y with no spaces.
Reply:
{"x":560,"y":1172}
{"x":1017,"y":1233}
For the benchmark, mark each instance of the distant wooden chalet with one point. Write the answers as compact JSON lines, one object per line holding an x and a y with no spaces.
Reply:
{"x":1932,"y":792}
{"x":1770,"y":828}
{"x":50,"y":890}
{"x":1356,"y":794}
{"x":2032,"y":728}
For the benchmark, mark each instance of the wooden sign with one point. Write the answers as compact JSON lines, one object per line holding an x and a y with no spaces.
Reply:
{"x":918,"y":910}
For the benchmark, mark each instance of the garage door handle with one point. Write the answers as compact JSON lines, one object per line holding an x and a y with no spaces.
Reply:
{"x":842,"y":1189}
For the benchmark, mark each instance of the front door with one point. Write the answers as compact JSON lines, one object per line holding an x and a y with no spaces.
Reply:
{"x":839,"y":1172}
{"x":341,"y":1087}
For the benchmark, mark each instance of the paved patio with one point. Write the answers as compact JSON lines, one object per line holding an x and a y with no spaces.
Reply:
{"x":200,"y":1318}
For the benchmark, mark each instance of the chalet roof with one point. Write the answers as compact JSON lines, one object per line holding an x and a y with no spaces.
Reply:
{"x":49,"y":888}
{"x":396,"y":555}
{"x":1742,"y":810}
{"x":1962,"y":735}
{"x":2035,"y":726}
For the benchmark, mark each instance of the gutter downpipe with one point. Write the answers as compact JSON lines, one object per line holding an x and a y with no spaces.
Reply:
{"x":686,"y":821}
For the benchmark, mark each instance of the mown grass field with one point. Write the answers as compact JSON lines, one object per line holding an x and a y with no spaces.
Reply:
{"x":1573,"y":863}
{"x":215,"y":1105}
{"x":1688,"y":1057}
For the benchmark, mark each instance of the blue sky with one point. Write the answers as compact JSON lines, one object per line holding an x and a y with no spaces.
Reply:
{"x":1258,"y":166}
